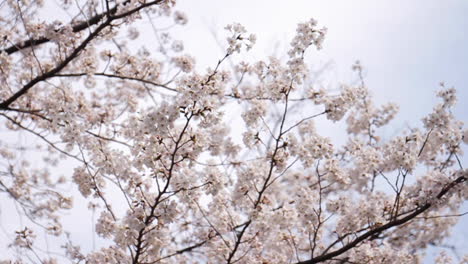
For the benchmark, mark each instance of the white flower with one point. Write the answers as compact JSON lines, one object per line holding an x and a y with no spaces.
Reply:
{"x":465,"y":136}
{"x":177,"y":46}
{"x":237,"y":38}
{"x":180,"y":18}
{"x":105,"y":225}
{"x":133,"y":33}
{"x":186,"y":63}
{"x":24,"y":238}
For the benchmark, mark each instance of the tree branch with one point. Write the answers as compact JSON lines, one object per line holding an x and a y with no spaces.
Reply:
{"x":5,"y":104}
{"x":375,"y":231}
{"x":76,"y":28}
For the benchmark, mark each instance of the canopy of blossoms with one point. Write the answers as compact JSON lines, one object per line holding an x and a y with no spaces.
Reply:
{"x":147,"y":141}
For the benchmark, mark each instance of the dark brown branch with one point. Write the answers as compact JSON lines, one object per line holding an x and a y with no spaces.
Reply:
{"x":76,"y":28}
{"x":380,"y":229}
{"x":5,"y":104}
{"x":184,"y":250}
{"x":139,"y":244}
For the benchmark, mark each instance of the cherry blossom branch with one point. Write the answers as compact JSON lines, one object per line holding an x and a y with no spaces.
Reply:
{"x":96,"y":188}
{"x":211,"y":225}
{"x":441,"y":216}
{"x":165,"y":86}
{"x":184,"y":250}
{"x":275,"y":151}
{"x":382,"y":228}
{"x":77,"y":27}
{"x":6,"y":103}
{"x":319,"y":213}
{"x":303,"y":120}
{"x":41,"y":137}
{"x":139,"y":247}
{"x":266,"y":181}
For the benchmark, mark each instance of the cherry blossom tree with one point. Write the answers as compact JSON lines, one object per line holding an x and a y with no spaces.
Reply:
{"x":214,"y":166}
